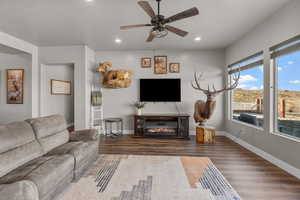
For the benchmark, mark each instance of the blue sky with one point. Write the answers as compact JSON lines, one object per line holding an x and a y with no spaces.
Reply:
{"x":289,"y":71}
{"x":288,"y":74}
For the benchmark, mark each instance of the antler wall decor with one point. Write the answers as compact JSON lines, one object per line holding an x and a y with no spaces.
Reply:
{"x":205,"y":109}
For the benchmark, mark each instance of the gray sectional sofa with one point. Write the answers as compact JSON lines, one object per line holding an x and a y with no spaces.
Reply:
{"x":39,"y":158}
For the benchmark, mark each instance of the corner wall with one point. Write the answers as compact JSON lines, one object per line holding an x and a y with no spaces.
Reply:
{"x":31,"y":49}
{"x":284,"y":24}
{"x":118,"y":102}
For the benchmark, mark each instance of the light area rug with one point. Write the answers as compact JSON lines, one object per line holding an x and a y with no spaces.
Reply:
{"x":120,"y":177}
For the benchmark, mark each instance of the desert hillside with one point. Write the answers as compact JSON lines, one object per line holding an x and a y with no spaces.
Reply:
{"x":249,"y":96}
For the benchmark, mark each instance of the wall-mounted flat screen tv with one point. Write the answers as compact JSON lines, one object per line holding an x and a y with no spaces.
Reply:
{"x":160,"y":90}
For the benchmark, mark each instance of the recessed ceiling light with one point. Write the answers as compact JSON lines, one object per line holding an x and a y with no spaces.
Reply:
{"x":118,"y":40}
{"x":89,"y":0}
{"x":197,"y":39}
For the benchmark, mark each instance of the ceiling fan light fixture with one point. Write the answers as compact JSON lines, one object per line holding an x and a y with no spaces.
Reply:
{"x":160,"y":34}
{"x":160,"y":24}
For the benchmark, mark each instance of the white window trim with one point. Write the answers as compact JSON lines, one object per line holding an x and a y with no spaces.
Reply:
{"x":274,"y":129}
{"x":290,"y":137}
{"x":230,"y":98}
{"x":246,"y":124}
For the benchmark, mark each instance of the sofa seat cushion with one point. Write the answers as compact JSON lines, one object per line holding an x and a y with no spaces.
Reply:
{"x":17,"y":157}
{"x":84,"y":135}
{"x":45,"y":172}
{"x":81,"y":151}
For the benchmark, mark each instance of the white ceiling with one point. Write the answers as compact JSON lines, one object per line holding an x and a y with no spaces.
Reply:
{"x":96,"y":24}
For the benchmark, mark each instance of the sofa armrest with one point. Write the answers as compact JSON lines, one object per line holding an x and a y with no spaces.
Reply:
{"x":22,"y":190}
{"x":84,"y":135}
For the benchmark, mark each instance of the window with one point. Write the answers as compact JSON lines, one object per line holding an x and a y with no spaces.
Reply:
{"x":247,"y":98}
{"x":286,"y":59}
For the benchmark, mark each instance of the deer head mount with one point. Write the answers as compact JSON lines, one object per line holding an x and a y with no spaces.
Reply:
{"x":204,"y":109}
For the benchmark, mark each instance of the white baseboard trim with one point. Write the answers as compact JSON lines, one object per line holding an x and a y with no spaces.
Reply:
{"x":279,"y":163}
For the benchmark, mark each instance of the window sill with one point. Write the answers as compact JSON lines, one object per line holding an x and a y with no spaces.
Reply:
{"x":286,"y":136}
{"x":247,"y":125}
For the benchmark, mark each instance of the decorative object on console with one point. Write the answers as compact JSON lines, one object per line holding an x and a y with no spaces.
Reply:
{"x":115,"y":78}
{"x":159,"y":22}
{"x":204,"y":110}
{"x":160,"y":65}
{"x":15,"y":86}
{"x":174,"y":67}
{"x":139,"y":107}
{"x":59,"y":87}
{"x":146,"y":62}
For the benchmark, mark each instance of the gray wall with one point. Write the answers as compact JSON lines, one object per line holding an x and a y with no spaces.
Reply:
{"x":283,"y":25}
{"x":15,"y":112}
{"x":57,"y":104}
{"x":117,"y":102}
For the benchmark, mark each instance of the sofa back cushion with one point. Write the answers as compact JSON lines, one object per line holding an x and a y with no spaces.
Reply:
{"x":51,"y":131}
{"x":17,"y":146}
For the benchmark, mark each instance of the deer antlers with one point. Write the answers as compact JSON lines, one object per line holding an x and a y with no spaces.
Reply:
{"x":235,"y":78}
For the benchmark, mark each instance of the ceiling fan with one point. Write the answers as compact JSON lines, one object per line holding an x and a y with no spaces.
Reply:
{"x":160,"y":23}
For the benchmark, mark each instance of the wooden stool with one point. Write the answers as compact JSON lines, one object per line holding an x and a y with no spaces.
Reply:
{"x":205,"y":134}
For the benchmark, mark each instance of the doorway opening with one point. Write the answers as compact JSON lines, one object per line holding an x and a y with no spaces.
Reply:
{"x":57,"y":91}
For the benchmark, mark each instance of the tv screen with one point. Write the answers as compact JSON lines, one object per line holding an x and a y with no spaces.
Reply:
{"x":160,"y":90}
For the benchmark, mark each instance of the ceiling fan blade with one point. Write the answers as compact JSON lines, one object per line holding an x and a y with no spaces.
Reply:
{"x":151,"y":37}
{"x":134,"y":26}
{"x":177,"y":31}
{"x":147,"y":8}
{"x":185,"y":14}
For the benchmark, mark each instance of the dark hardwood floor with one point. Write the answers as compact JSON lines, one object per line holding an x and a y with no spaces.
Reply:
{"x":253,"y":177}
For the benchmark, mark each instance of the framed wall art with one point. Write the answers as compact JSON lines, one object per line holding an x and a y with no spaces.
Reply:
{"x":160,"y":65}
{"x":59,"y":87}
{"x":174,"y":67}
{"x":15,"y":86}
{"x":146,"y":62}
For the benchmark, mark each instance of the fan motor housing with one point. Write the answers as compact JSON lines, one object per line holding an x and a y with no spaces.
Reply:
{"x":157,"y":20}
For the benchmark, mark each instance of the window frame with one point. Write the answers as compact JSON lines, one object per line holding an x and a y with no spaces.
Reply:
{"x":250,"y":65}
{"x":274,"y":55}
